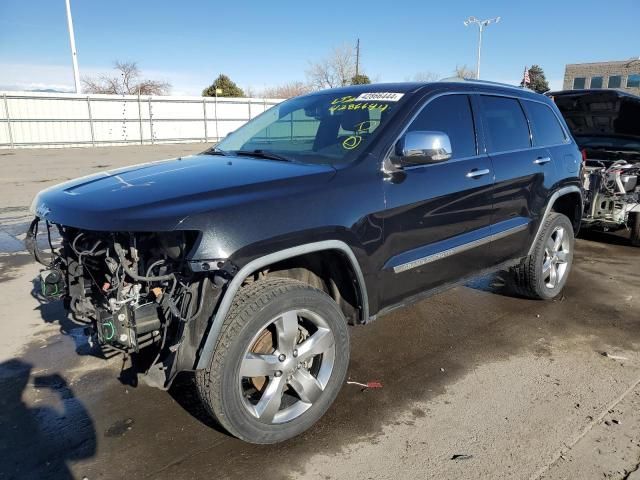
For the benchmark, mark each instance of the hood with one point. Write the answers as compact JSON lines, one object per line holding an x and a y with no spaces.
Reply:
{"x":605,"y":113}
{"x":158,"y":196}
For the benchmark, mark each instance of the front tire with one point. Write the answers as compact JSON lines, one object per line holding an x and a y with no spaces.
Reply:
{"x":279,"y":363}
{"x":543,"y":274}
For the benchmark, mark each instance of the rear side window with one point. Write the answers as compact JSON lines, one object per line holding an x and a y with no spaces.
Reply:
{"x":504,"y":123}
{"x":450,"y":114}
{"x":545,"y":125}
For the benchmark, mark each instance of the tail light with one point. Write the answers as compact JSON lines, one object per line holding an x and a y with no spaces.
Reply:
{"x":584,"y":155}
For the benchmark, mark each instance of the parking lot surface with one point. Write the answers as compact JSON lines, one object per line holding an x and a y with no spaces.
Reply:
{"x":476,"y":383}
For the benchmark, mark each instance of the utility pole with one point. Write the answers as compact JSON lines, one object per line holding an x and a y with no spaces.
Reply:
{"x":74,"y":54}
{"x":481,"y":25}
{"x":357,"y":57}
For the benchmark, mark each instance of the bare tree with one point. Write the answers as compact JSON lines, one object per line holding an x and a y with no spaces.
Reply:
{"x":288,"y":90}
{"x":462,"y":71}
{"x":425,"y":76}
{"x":126,"y":82}
{"x":335,"y":70}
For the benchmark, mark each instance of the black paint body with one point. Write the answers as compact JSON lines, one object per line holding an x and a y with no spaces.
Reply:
{"x":245,"y":208}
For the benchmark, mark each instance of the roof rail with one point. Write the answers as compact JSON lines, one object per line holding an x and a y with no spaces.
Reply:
{"x":482,"y":82}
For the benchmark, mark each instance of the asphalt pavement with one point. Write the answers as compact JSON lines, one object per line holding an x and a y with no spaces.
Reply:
{"x":476,"y":383}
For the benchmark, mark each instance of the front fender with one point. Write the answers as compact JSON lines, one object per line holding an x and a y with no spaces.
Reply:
{"x":206,"y":353}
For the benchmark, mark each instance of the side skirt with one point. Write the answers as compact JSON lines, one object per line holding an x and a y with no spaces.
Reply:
{"x":442,"y":288}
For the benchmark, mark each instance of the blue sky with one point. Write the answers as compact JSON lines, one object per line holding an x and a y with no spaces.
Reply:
{"x":260,"y":43}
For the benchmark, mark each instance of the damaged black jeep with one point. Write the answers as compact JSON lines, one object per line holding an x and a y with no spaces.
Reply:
{"x":247,"y":263}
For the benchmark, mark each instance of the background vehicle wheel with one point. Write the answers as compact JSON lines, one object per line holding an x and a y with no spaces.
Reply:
{"x":543,"y":274}
{"x":280,"y":361}
{"x":634,"y":224}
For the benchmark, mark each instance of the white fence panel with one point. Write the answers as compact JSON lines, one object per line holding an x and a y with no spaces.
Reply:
{"x":64,"y":120}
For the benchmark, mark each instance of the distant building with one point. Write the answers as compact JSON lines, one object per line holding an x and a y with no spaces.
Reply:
{"x":622,"y":75}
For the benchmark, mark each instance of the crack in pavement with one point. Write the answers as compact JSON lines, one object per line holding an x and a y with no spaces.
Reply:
{"x":576,"y":439}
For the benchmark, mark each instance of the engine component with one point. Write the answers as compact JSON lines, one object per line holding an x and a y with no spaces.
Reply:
{"x":52,"y":284}
{"x":125,"y":326}
{"x":612,"y":192}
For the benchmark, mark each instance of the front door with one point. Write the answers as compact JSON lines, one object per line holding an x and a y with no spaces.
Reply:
{"x":437,"y":216}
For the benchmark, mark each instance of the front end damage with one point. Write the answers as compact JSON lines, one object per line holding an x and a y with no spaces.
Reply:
{"x":612,"y":190}
{"x":134,"y":291}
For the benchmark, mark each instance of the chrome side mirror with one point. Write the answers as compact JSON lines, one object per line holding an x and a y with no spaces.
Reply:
{"x":420,"y":147}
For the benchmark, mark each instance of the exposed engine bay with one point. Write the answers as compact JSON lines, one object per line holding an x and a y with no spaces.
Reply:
{"x":133,"y":290}
{"x":606,"y":125}
{"x":612,"y":191}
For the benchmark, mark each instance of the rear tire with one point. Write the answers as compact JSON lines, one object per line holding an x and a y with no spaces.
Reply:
{"x":543,"y":274}
{"x":279,"y":363}
{"x":634,"y":224}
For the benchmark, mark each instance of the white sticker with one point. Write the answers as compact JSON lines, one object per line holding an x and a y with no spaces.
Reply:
{"x":380,"y":96}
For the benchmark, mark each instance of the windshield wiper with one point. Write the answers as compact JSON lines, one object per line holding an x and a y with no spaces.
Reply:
{"x":216,"y":151}
{"x":262,"y":154}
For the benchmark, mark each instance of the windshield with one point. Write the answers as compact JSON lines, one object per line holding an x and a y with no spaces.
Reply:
{"x":321,"y":128}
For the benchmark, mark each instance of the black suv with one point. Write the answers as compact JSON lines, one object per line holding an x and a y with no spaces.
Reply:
{"x":246,"y":263}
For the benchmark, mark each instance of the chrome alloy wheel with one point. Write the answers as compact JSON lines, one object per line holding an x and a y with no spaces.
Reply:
{"x":556,"y":257}
{"x":287,"y":366}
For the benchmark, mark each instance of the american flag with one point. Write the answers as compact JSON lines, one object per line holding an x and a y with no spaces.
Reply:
{"x":526,"y":80}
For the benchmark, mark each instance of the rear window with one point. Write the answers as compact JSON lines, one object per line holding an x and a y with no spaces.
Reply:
{"x":505,"y":125}
{"x":544,"y":124}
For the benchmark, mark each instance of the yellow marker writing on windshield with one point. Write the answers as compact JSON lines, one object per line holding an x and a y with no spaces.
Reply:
{"x":351,"y":142}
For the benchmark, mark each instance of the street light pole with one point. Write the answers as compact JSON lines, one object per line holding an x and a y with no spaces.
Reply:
{"x":481,"y":25}
{"x":74,"y":54}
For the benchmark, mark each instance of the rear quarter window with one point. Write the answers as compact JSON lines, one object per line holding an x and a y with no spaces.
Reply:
{"x":505,"y":124}
{"x":545,"y":126}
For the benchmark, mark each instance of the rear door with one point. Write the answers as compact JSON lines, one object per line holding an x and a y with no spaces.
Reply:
{"x":522,"y":171}
{"x":436,"y":222}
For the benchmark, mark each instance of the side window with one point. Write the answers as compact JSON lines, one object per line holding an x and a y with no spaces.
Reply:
{"x":450,"y":114}
{"x":505,"y":124}
{"x":545,"y":125}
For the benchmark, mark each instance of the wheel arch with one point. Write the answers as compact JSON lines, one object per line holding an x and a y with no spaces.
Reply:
{"x":566,"y":200}
{"x":275,"y":258}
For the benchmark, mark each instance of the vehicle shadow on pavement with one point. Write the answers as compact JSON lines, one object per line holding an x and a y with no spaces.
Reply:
{"x":38,"y":442}
{"x":54,"y":312}
{"x":185,"y":393}
{"x":612,"y":238}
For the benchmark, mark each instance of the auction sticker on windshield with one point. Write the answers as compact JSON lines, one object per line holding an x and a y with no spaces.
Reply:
{"x":383,"y":96}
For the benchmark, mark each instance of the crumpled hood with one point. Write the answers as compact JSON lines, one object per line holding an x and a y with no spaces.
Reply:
{"x":158,"y":196}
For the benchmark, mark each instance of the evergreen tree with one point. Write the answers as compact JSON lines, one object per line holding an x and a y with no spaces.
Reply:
{"x":538,"y":82}
{"x":226,"y":85}
{"x":360,"y":79}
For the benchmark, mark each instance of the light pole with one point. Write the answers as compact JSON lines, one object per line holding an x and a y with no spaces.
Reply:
{"x":481,"y":24}
{"x":74,"y":54}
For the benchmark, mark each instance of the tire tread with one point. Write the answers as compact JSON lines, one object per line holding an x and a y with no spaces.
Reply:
{"x":246,"y":303}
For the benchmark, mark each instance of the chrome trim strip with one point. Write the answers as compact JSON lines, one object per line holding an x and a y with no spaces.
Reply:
{"x":459,"y":249}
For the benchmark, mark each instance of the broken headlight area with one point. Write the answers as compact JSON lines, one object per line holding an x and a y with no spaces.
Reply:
{"x":134,"y":289}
